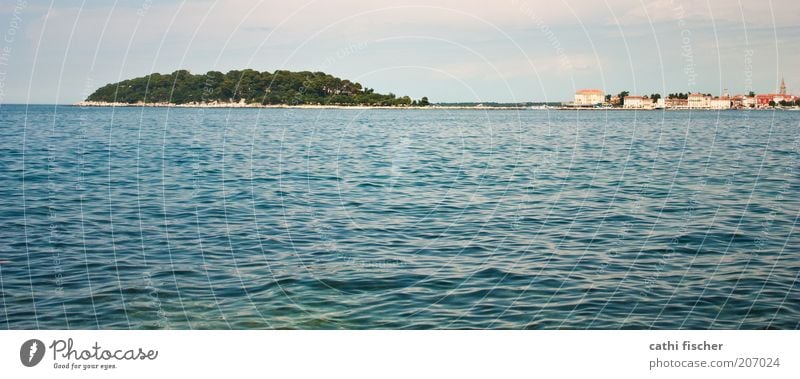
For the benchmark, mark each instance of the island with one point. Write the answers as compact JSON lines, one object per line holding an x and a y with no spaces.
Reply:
{"x":244,"y":88}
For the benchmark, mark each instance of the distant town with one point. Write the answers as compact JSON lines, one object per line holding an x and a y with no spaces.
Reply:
{"x":597,"y":99}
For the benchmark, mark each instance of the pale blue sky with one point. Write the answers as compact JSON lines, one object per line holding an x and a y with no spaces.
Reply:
{"x":505,"y":50}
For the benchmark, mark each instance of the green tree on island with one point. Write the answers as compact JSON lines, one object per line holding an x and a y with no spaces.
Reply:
{"x":247,"y":86}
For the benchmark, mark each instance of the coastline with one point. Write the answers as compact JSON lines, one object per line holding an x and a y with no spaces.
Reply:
{"x":283,"y":106}
{"x":363,"y":107}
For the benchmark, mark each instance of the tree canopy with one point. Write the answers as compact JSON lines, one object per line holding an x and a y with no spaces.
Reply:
{"x":250,"y":86}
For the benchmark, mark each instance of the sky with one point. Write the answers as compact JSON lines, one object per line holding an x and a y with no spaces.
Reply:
{"x":450,"y":51}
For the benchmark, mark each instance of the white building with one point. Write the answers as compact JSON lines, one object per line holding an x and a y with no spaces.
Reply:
{"x":635,"y":102}
{"x":742,"y":101}
{"x":589,"y":97}
{"x":720,"y":103}
{"x":699,"y":101}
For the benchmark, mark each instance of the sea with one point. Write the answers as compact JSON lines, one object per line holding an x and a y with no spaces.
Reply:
{"x":194,"y":218}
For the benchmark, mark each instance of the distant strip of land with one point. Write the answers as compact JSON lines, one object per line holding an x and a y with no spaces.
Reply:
{"x":363,"y":107}
{"x":294,"y":106}
{"x":318,"y":90}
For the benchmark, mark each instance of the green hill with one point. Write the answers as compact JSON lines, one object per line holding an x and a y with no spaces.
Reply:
{"x":254,"y":87}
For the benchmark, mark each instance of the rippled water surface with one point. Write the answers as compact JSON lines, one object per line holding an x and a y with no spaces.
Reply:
{"x":245,"y":218}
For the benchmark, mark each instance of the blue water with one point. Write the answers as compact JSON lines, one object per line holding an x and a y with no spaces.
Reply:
{"x":245,"y":218}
